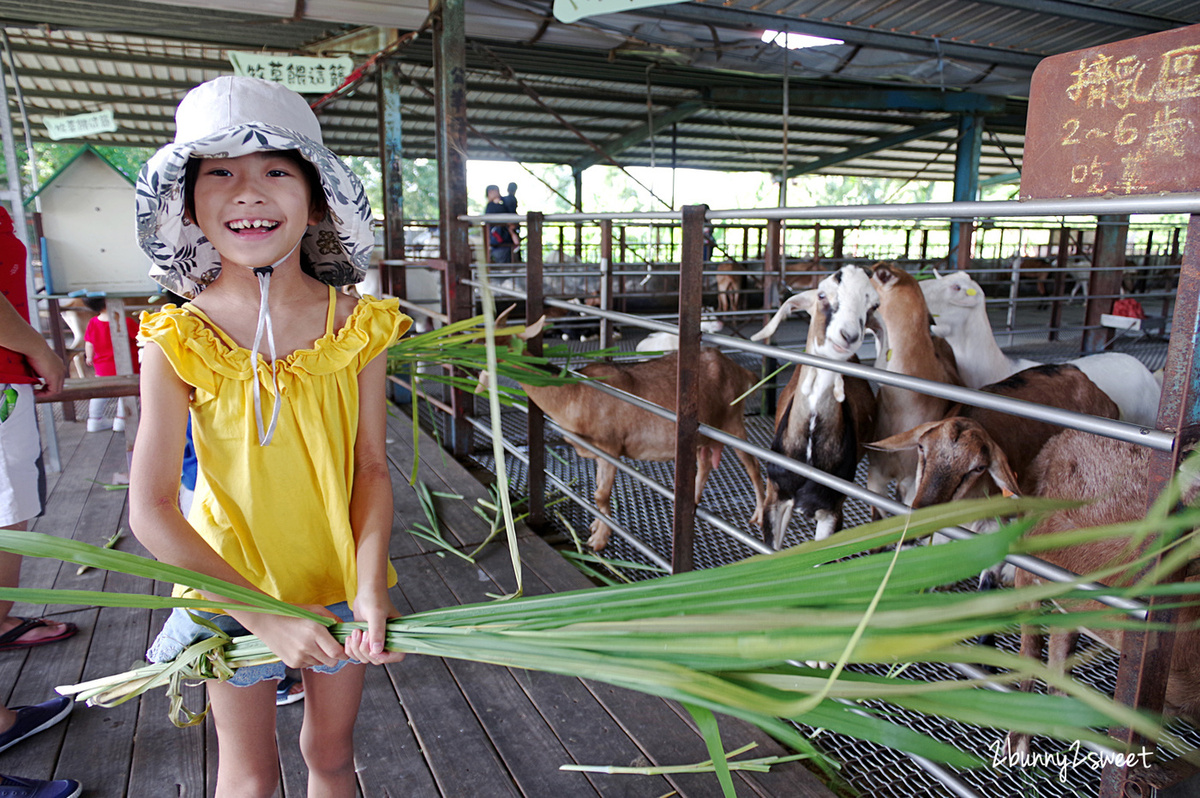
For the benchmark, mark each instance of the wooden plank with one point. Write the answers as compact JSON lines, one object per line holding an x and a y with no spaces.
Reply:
{"x":406,"y":509}
{"x":440,"y":472}
{"x":99,"y":743}
{"x":460,"y":755}
{"x":105,"y":512}
{"x":167,"y":760}
{"x":526,"y":743}
{"x":387,"y":756}
{"x":292,"y":768}
{"x":790,"y":779}
{"x":44,"y":668}
{"x":65,"y":507}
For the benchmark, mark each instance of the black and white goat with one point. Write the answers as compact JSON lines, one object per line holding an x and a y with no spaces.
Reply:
{"x":823,"y":418}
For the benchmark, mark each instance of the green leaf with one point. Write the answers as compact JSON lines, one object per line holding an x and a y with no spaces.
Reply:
{"x":707,"y":724}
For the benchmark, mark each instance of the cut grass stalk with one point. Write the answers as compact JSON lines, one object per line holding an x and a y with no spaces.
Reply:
{"x":724,"y":640}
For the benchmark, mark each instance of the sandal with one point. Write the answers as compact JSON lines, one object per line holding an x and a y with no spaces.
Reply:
{"x":289,"y":691}
{"x":12,"y":638}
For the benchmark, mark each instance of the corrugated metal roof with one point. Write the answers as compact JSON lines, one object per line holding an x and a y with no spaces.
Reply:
{"x":700,"y":64}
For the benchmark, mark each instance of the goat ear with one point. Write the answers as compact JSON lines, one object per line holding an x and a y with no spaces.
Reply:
{"x":1001,"y":473}
{"x":954,"y":410}
{"x":901,"y":441}
{"x":502,"y":319}
{"x":794,"y":302}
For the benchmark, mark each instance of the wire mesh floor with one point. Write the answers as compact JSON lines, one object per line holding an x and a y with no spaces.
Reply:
{"x":871,"y":770}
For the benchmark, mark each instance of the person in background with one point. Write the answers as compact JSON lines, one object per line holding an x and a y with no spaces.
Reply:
{"x":28,"y":367}
{"x":500,"y":236}
{"x":98,"y":351}
{"x":510,"y":205}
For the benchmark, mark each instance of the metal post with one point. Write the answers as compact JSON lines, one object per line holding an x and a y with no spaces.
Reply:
{"x":1107,"y":262}
{"x":13,"y":194}
{"x":622,"y":260}
{"x":450,"y":64}
{"x":535,"y":421}
{"x":391,"y":151}
{"x":687,"y":428}
{"x":579,"y":209}
{"x":118,"y":328}
{"x":1060,"y":282}
{"x":772,"y":282}
{"x":966,"y":176}
{"x":1146,"y":655}
{"x":606,"y":281}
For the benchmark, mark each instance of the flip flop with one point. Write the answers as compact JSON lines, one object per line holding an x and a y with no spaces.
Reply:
{"x":12,"y":638}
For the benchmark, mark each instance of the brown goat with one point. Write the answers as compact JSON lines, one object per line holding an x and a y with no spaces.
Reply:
{"x":906,"y":346}
{"x":1112,"y":476}
{"x":957,"y":455}
{"x":729,"y":288}
{"x":619,"y":429}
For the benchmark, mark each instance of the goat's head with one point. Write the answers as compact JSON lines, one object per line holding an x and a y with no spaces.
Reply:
{"x":953,"y":456}
{"x":952,"y":299}
{"x":840,"y":307}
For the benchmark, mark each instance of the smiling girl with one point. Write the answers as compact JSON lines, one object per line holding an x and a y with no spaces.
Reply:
{"x":253,"y":219}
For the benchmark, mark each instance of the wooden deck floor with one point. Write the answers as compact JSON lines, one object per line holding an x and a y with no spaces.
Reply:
{"x":427,"y":726}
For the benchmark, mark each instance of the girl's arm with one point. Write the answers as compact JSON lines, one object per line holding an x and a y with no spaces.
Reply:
{"x":89,"y":352}
{"x":371,"y":517}
{"x":155,"y":518}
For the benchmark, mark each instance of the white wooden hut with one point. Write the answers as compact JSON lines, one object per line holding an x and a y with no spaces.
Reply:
{"x":88,"y":228}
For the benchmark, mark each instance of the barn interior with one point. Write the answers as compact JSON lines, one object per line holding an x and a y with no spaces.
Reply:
{"x":937,"y":90}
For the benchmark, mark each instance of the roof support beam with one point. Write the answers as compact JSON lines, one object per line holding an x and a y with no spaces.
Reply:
{"x":737,"y":19}
{"x":966,"y":180}
{"x":864,"y":99}
{"x":885,"y":143}
{"x":639,"y":134}
{"x":1093,"y":12}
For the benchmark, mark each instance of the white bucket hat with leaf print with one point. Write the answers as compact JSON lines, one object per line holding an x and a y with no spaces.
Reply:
{"x":228,"y":117}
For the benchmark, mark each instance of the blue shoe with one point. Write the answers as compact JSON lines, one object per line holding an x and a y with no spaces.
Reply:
{"x":30,"y":721}
{"x":13,"y":787}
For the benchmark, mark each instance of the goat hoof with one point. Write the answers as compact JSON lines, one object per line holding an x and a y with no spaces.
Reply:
{"x":599,"y":536}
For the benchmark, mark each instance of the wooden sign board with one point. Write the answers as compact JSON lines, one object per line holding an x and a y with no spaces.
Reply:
{"x":1116,"y":119}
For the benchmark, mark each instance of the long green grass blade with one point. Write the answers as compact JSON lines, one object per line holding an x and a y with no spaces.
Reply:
{"x":37,"y":544}
{"x":707,"y":723}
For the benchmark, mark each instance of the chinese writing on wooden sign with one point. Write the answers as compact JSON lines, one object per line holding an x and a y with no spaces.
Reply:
{"x":299,"y":73}
{"x":1116,"y":119}
{"x":80,"y":125}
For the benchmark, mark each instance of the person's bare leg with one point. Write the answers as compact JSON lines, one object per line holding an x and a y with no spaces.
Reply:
{"x":327,"y":737}
{"x":247,"y":759}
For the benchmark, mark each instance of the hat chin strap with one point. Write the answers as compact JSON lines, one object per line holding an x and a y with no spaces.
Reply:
{"x":263,"y":273}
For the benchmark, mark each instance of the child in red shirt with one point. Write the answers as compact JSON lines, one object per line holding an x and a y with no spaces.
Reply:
{"x":98,"y":350}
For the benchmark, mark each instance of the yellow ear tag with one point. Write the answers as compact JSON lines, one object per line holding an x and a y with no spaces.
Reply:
{"x":971,"y":292}
{"x":888,"y":358}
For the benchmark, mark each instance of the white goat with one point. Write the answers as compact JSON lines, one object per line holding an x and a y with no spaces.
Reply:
{"x":906,"y":346}
{"x":822,"y":418}
{"x":668,"y":342}
{"x":957,"y":304}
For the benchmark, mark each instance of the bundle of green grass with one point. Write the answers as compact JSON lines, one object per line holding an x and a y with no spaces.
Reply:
{"x":734,"y":639}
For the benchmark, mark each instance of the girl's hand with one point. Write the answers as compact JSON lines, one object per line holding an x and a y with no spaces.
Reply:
{"x":375,"y":608}
{"x":298,"y":642}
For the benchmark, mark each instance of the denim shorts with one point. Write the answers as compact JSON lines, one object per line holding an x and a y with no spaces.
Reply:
{"x":180,"y":631}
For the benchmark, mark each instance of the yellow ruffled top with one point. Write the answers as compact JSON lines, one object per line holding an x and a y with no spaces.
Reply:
{"x":279,"y":514}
